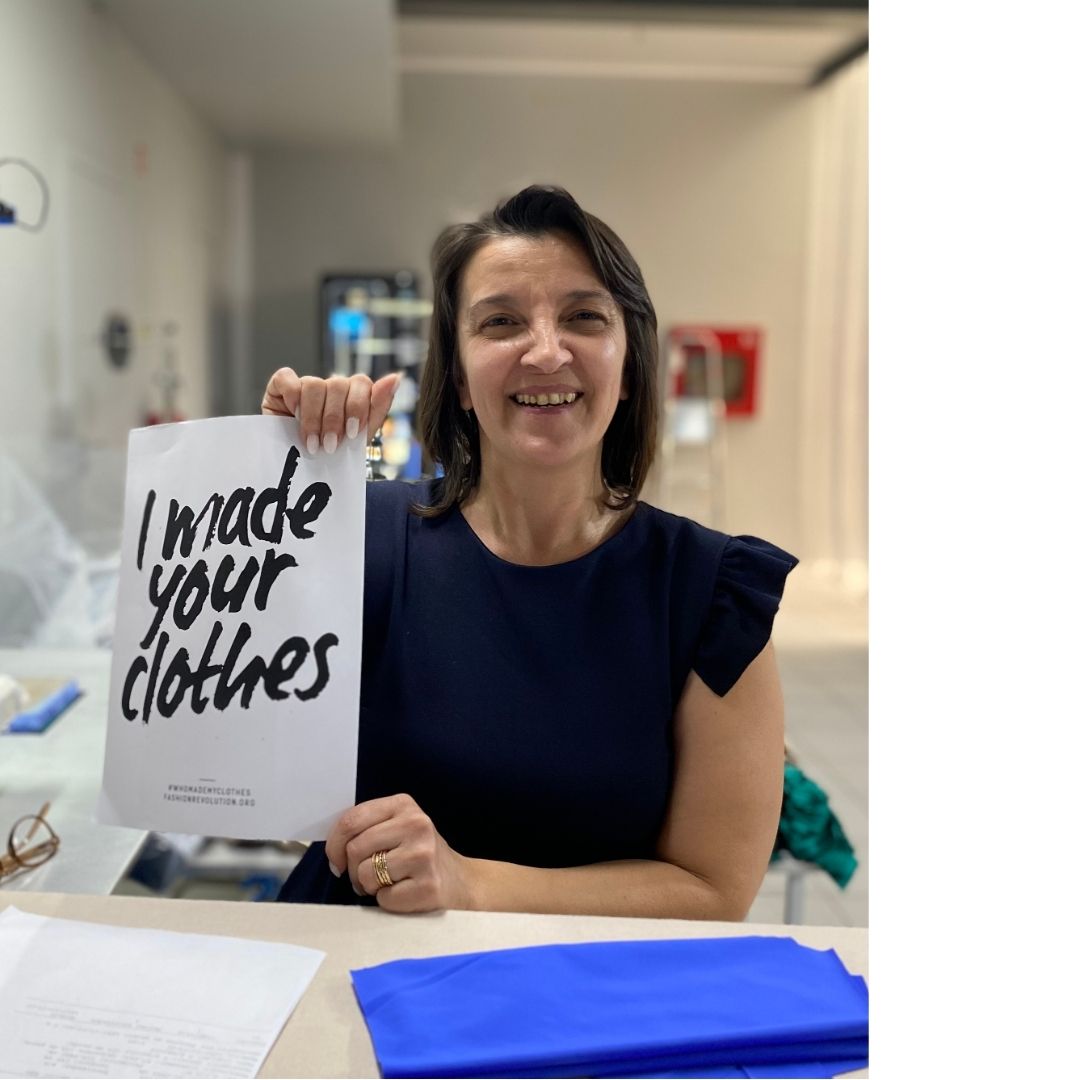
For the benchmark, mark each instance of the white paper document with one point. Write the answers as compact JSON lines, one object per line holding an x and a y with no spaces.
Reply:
{"x":82,"y":999}
{"x":235,"y":691}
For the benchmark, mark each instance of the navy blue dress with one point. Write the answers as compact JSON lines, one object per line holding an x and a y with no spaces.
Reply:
{"x":528,"y":709}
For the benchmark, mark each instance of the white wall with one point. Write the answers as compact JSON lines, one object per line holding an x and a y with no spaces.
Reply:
{"x":707,"y":183}
{"x":718,"y":189}
{"x":130,"y":229}
{"x":833,"y":480}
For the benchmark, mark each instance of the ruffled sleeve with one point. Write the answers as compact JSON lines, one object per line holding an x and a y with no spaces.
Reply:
{"x":749,"y":583}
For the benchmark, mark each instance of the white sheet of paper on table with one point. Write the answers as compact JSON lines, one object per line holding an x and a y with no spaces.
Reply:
{"x":87,"y":1000}
{"x":282,"y":767}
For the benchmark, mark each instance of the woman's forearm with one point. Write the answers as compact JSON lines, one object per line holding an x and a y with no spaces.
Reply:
{"x":642,"y":888}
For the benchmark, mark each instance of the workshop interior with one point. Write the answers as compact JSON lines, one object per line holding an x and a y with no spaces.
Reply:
{"x":193,"y":195}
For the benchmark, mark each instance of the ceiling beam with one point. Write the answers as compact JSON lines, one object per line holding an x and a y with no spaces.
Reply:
{"x":786,"y":12}
{"x":839,"y":62}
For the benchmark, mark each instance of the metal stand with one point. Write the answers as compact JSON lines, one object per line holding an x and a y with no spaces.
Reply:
{"x":696,"y":421}
{"x":795,"y":872}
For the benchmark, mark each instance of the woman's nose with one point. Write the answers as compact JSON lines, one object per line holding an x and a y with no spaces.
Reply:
{"x":546,"y":353}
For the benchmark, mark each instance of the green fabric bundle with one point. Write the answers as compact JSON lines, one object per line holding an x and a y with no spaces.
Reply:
{"x":809,"y":829}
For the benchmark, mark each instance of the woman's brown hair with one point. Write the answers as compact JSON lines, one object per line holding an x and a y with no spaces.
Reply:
{"x":449,"y":434}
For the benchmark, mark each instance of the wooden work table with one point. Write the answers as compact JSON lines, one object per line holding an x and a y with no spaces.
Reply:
{"x":326,"y":1035}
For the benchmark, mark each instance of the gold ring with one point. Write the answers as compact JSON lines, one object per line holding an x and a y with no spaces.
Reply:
{"x":378,"y":860}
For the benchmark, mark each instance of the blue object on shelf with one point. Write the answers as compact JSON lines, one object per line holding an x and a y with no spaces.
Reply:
{"x":717,"y":1007}
{"x":264,"y":886}
{"x":36,"y":719}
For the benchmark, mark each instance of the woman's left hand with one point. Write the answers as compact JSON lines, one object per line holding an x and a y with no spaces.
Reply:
{"x":428,"y":874}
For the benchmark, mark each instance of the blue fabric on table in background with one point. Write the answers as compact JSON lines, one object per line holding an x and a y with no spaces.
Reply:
{"x":753,"y":1006}
{"x":37,"y":719}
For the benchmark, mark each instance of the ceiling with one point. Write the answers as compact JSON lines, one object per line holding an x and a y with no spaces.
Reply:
{"x":293,"y":72}
{"x":326,"y":72}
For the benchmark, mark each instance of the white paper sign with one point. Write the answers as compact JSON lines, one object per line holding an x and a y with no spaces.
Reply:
{"x":235,"y":691}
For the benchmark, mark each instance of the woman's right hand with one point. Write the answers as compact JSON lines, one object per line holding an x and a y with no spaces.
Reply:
{"x":330,"y":410}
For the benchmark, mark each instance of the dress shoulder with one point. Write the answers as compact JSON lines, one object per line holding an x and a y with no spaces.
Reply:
{"x":746,"y":592}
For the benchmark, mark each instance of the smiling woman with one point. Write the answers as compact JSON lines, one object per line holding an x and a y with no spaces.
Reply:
{"x":547,"y":283}
{"x":534,"y":341}
{"x":569,"y":702}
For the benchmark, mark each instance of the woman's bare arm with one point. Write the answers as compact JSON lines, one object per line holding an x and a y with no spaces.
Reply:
{"x":718,"y":834}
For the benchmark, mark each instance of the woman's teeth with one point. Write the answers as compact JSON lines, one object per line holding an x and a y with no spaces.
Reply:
{"x":545,"y":399}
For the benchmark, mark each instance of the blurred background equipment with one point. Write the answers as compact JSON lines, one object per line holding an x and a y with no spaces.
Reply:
{"x":371,"y":324}
{"x":375,"y":324}
{"x":710,"y":374}
{"x":53,"y":592}
{"x":116,"y":339}
{"x":166,"y":379}
{"x":9,"y":215}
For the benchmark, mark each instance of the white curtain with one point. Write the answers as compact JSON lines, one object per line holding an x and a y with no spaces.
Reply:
{"x":833,"y":414}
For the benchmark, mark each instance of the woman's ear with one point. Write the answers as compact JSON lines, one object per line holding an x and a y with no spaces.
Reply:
{"x":458,"y":377}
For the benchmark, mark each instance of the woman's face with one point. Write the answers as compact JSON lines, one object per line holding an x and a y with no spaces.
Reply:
{"x":534,"y":320}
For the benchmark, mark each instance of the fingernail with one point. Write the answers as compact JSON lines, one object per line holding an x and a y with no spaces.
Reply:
{"x":297,"y":412}
{"x":313,"y":444}
{"x":352,"y":427}
{"x":333,"y":869}
{"x":329,"y":442}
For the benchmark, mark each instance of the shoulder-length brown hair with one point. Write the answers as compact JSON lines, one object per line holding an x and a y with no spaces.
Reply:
{"x":449,"y":434}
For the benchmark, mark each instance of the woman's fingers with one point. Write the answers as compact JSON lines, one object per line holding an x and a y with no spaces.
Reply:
{"x":333,"y":413}
{"x":382,"y":396}
{"x":355,"y":822}
{"x":358,"y":851}
{"x":310,"y":414}
{"x":330,"y":410}
{"x":368,"y":403}
{"x":401,"y":862}
{"x":282,"y":395}
{"x":410,"y":895}
{"x":357,"y":405}
{"x":426,"y":874}
{"x":395,"y":825}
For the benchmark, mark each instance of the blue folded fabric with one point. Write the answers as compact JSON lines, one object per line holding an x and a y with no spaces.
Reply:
{"x":37,"y":719}
{"x":718,"y":1007}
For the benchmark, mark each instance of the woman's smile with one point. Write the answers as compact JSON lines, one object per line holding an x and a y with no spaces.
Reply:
{"x":547,"y":399}
{"x":545,"y":403}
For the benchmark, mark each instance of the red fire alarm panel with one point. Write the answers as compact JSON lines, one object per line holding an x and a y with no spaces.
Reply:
{"x":716,"y":361}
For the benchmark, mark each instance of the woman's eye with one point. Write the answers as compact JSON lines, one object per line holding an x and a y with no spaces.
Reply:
{"x":497,"y":320}
{"x":588,"y":316}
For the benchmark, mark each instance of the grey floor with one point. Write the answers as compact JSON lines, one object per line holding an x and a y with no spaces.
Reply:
{"x":821,"y":646}
{"x":825,"y":693}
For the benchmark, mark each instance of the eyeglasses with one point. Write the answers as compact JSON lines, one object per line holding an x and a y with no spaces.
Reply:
{"x":31,"y":842}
